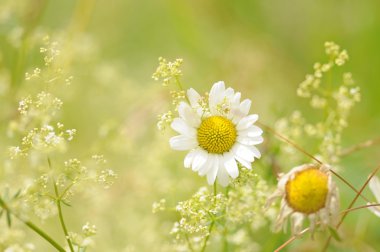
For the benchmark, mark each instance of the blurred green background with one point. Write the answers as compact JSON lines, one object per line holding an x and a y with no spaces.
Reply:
{"x":261,"y":48}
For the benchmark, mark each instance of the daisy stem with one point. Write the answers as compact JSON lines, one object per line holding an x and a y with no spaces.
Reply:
{"x":225,"y":231}
{"x":351,"y":205}
{"x":211,"y":225}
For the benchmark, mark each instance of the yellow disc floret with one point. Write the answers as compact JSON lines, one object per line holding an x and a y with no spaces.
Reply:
{"x":307,"y":191}
{"x":216,"y":134}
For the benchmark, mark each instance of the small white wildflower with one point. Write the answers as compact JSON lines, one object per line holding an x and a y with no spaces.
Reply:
{"x":89,"y":230}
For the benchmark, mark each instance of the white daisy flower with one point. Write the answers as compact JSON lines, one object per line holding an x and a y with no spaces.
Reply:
{"x":374,"y":185}
{"x":218,"y":134}
{"x":307,"y":191}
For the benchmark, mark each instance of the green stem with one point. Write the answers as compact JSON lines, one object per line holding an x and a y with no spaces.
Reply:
{"x":43,"y":235}
{"x":32,"y":226}
{"x":189,"y":243}
{"x":225,"y":231}
{"x":60,"y":214}
{"x":211,"y":225}
{"x":59,"y":207}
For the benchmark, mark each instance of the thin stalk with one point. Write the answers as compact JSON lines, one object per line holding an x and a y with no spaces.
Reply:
{"x":61,"y":220}
{"x":347,"y":183}
{"x":351,"y":205}
{"x":360,"y":207}
{"x":33,"y":227}
{"x":294,"y":237}
{"x":309,"y":155}
{"x":289,"y":142}
{"x":208,"y":236}
{"x":359,"y":146}
{"x":189,"y":243}
{"x":60,"y":213}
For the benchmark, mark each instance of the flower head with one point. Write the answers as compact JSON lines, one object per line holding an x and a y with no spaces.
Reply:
{"x":307,"y":191}
{"x":218,"y":132}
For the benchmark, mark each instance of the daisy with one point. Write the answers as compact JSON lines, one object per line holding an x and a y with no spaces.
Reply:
{"x":374,"y":185}
{"x":218,"y":132}
{"x":307,"y":191}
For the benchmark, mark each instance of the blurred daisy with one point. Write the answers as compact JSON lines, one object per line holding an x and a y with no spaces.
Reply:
{"x":217,"y":132}
{"x":307,"y":191}
{"x":374,"y":185}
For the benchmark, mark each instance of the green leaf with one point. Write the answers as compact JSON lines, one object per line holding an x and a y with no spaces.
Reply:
{"x":65,"y":203}
{"x":9,"y":220}
{"x":17,"y":194}
{"x":1,"y":212}
{"x":334,"y":234}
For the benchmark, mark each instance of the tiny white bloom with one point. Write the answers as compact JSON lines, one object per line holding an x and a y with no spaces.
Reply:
{"x":307,"y":191}
{"x":374,"y":185}
{"x":218,"y":134}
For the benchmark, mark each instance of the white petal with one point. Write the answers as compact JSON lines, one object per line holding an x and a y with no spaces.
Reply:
{"x":211,"y":175}
{"x":207,"y":166}
{"x":223,"y":178}
{"x":229,"y":93}
{"x":181,"y":127}
{"x":255,"y":151}
{"x":374,"y":185}
{"x":194,"y":97}
{"x":252,"y":131}
{"x":244,"y":162}
{"x":230,"y":165}
{"x":189,"y":158}
{"x":250,"y":140}
{"x":200,"y":159}
{"x":182,"y":142}
{"x":216,"y":94}
{"x":247,"y":122}
{"x":189,"y":115}
{"x":245,"y":106}
{"x":242,"y":151}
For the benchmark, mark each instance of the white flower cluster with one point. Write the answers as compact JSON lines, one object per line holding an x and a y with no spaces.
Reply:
{"x":167,"y":71}
{"x":196,"y":215}
{"x":335,"y":101}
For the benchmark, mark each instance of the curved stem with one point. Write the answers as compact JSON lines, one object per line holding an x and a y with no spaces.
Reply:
{"x":359,"y":146}
{"x":289,"y":142}
{"x":351,"y":204}
{"x":33,"y":227}
{"x":294,"y":237}
{"x":309,"y":155}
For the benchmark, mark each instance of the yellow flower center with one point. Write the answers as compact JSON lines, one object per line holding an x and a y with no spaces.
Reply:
{"x":216,"y":134}
{"x":307,"y":191}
